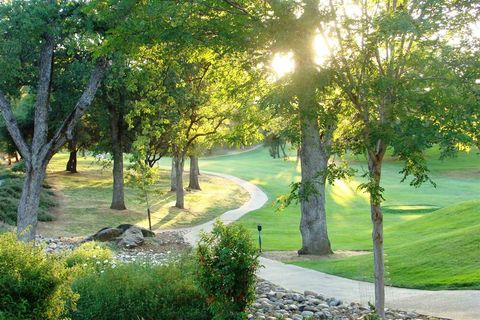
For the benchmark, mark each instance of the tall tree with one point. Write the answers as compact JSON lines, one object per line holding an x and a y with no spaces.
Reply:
{"x":295,"y":30}
{"x":38,"y":29}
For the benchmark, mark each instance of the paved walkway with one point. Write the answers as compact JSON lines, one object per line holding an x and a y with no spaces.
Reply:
{"x":453,"y":304}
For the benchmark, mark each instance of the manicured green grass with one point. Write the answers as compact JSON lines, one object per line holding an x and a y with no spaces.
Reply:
{"x":440,"y":250}
{"x":349,"y":223}
{"x":84,"y":200}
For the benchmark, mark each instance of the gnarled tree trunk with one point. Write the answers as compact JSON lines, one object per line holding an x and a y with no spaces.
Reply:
{"x":27,"y":217}
{"x":180,"y":192}
{"x":314,"y":161}
{"x":118,"y":195}
{"x":194,"y":183}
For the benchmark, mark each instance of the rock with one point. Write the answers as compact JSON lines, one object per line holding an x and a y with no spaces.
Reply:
{"x":335,"y":303}
{"x":309,"y":293}
{"x":298,"y":297}
{"x":307,"y":314}
{"x":292,"y":307}
{"x":107,"y":234}
{"x":131,"y":238}
{"x":146,"y":233}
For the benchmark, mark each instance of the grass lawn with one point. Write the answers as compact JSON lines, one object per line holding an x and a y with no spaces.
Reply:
{"x":84,"y":200}
{"x":424,"y":247}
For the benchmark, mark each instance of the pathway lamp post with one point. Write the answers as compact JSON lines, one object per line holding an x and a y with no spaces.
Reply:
{"x":259,"y":228}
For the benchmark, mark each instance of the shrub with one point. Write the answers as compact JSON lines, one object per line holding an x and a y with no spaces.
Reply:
{"x":19,"y":166}
{"x":140,"y":291}
{"x":228,"y":261}
{"x":10,"y":195}
{"x":90,"y":256}
{"x":33,"y":285}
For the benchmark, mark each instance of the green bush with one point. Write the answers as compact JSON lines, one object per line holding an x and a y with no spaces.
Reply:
{"x":10,"y":195}
{"x":140,"y":291}
{"x":19,"y":166}
{"x":227,"y":260}
{"x":90,"y":256}
{"x":33,"y":285}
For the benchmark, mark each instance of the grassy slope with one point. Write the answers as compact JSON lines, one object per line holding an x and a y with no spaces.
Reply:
{"x":349,"y":220}
{"x":85,"y":199}
{"x":440,"y":250}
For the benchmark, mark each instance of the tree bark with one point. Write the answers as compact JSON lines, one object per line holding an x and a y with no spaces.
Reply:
{"x":118,"y":195}
{"x":314,"y":161}
{"x":27,"y":213}
{"x":194,"y":183}
{"x":375,"y":169}
{"x":180,"y":192}
{"x":173,"y":179}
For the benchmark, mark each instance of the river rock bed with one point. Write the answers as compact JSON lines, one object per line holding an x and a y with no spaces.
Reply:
{"x":165,"y":247}
{"x":274,"y":302}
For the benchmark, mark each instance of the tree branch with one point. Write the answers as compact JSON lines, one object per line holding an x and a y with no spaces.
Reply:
{"x":65,"y":131}
{"x":12,"y":127}
{"x":43,"y":94}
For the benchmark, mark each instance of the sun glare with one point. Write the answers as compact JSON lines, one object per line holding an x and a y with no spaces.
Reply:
{"x":283,"y":63}
{"x":321,"y":50}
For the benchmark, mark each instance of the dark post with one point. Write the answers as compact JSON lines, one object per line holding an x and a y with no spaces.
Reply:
{"x":149,"y":219}
{"x":259,"y":228}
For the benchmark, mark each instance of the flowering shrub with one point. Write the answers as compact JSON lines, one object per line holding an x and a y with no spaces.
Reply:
{"x":90,"y":256}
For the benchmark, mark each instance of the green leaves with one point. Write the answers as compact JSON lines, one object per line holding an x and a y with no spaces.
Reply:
{"x":227,"y":263}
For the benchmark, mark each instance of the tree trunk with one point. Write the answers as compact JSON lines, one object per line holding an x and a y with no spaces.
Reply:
{"x":194,"y":184}
{"x":118,"y":196}
{"x":180,"y":193}
{"x":27,"y":212}
{"x":375,"y":170}
{"x":72,"y":162}
{"x":314,"y":161}
{"x":173,"y":179}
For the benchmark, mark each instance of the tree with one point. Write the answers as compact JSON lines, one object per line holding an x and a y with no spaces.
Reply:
{"x":380,"y":55}
{"x":116,"y":98}
{"x":43,"y":35}
{"x":306,"y":97}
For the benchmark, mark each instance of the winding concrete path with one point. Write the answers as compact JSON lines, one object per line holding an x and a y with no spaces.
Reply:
{"x":453,"y":304}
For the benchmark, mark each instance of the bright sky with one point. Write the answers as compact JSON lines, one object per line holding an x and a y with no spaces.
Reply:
{"x":282,"y":63}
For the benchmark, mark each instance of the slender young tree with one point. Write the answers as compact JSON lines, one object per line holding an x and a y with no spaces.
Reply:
{"x":379,"y":49}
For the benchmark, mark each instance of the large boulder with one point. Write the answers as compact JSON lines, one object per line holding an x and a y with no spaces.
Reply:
{"x":107,"y":234}
{"x":146,"y":233}
{"x":131,"y":238}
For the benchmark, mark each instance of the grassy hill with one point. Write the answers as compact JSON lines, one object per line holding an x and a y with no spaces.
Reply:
{"x":439,"y":250}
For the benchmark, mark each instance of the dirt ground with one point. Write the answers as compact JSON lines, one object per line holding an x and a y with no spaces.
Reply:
{"x":286,"y":256}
